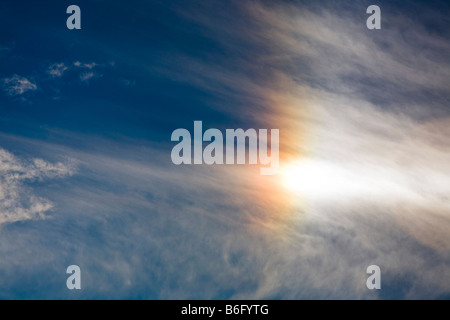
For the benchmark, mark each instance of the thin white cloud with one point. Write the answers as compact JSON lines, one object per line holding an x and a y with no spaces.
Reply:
{"x":86,"y":70}
{"x":17,"y":202}
{"x":86,"y":76}
{"x":359,"y":102}
{"x":261,"y":242}
{"x":90,"y":66}
{"x":17,"y":85}
{"x":57,"y":70}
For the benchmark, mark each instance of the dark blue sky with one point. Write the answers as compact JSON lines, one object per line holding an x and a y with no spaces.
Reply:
{"x":133,"y":46}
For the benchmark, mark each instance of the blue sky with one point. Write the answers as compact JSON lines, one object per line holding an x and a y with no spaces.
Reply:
{"x":86,"y":176}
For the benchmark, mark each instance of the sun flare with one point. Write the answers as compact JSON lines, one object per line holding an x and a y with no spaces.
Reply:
{"x":320,"y":179}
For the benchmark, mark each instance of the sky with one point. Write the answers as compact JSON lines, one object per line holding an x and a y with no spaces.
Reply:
{"x":86,"y":118}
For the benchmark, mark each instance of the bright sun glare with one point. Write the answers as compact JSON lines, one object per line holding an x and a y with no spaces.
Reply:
{"x":319,"y":179}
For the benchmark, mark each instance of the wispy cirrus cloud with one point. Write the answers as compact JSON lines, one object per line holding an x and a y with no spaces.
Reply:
{"x":363,"y":102}
{"x":17,"y":201}
{"x":255,"y":247}
{"x":362,"y":97}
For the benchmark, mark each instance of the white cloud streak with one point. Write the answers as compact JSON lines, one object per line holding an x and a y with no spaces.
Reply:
{"x":365,"y":103}
{"x":17,"y":202}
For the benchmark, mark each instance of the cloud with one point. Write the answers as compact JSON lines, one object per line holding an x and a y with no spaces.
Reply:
{"x":57,"y":70}
{"x":90,"y":66}
{"x":352,"y":100}
{"x":357,"y":100}
{"x":17,"y":202}
{"x":17,"y":85}
{"x":235,"y":234}
{"x":86,"y":76}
